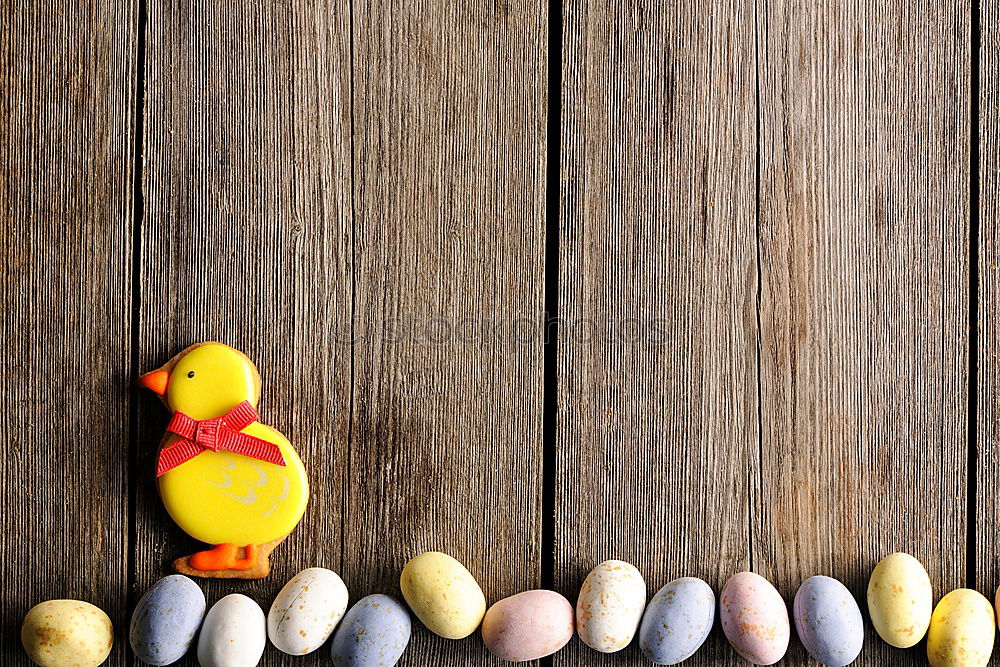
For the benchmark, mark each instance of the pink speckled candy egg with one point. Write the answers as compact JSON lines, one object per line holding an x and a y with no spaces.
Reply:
{"x":754,"y":618}
{"x":528,"y":626}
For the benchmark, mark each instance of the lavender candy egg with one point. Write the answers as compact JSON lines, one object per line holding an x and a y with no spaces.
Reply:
{"x":829,"y":622}
{"x":754,"y":618}
{"x":677,"y":621}
{"x":528,"y":626}
{"x":373,"y":633}
{"x":166,"y":620}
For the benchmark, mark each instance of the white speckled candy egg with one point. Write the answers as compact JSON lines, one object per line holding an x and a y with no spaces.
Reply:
{"x":443,"y":595}
{"x":961,"y":631}
{"x":754,"y":618}
{"x":307,"y":611}
{"x":233,"y":634}
{"x":677,"y":621}
{"x":828,"y":621}
{"x":610,"y":606}
{"x":67,"y":632}
{"x":900,"y":600}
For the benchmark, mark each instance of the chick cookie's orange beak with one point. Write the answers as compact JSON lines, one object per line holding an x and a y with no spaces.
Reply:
{"x":155,"y":381}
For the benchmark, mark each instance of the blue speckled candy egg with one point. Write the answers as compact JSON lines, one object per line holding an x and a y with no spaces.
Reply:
{"x":166,"y":620}
{"x":374,"y":633}
{"x":828,"y":620}
{"x":677,"y":621}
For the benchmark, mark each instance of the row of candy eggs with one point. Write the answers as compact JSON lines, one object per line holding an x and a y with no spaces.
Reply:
{"x":449,"y":601}
{"x":168,"y":618}
{"x":375,"y":631}
{"x":611,"y":605}
{"x":307,"y":610}
{"x":611,"y":610}
{"x":960,"y":630}
{"x":523,"y":627}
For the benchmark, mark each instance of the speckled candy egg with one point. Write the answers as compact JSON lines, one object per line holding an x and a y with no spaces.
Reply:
{"x":754,"y":618}
{"x":166,"y":620}
{"x":374,"y":633}
{"x":829,"y":622}
{"x":67,"y":632}
{"x":961,"y":631}
{"x":610,"y":606}
{"x":900,"y":600}
{"x":677,"y":621}
{"x":528,"y":626}
{"x":443,"y":595}
{"x":306,"y":611}
{"x":233,"y":634}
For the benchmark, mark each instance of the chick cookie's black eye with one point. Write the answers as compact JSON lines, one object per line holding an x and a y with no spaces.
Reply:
{"x":190,"y":374}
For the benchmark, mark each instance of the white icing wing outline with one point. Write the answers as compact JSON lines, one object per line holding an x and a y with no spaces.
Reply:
{"x":249,"y":499}
{"x":261,"y":476}
{"x":226,"y":482}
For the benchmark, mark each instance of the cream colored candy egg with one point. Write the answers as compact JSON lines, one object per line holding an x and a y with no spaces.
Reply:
{"x":306,"y":611}
{"x":67,"y":632}
{"x":961,"y":631}
{"x":443,"y":595}
{"x":610,"y":606}
{"x":900,"y":600}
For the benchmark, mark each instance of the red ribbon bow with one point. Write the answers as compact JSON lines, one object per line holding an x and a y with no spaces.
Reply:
{"x":218,"y":434}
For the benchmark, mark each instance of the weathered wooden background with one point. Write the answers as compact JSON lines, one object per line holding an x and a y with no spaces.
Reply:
{"x":767,"y":230}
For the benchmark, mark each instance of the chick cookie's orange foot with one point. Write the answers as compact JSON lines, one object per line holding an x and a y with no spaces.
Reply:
{"x":223,"y":561}
{"x":224,"y":477}
{"x":224,"y":557}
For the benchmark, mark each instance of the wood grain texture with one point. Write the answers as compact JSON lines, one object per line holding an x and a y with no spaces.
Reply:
{"x":353,"y":195}
{"x":657,"y":430}
{"x":246,"y":240}
{"x":449,"y":247}
{"x":248,"y":144}
{"x":864,"y":171}
{"x":66,"y":114}
{"x":988,"y":433}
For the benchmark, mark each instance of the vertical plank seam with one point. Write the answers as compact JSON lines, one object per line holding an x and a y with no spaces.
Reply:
{"x":354,"y":282}
{"x":973,"y":443}
{"x":550,"y":387}
{"x":138,"y":212}
{"x":757,"y":232}
{"x":550,"y":344}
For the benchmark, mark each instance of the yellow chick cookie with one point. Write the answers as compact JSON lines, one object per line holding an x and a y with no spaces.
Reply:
{"x":225,"y":478}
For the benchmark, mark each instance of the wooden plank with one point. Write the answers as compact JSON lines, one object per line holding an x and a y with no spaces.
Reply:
{"x":864,"y":163}
{"x":66,"y":114}
{"x":988,"y":434}
{"x":247,"y":240}
{"x":657,"y":430}
{"x":446,"y":447}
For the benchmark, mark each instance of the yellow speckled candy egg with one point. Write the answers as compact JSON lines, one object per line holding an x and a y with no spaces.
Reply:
{"x":67,"y":632}
{"x":610,"y":606}
{"x":900,"y":600}
{"x":962,"y":630}
{"x":443,"y":595}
